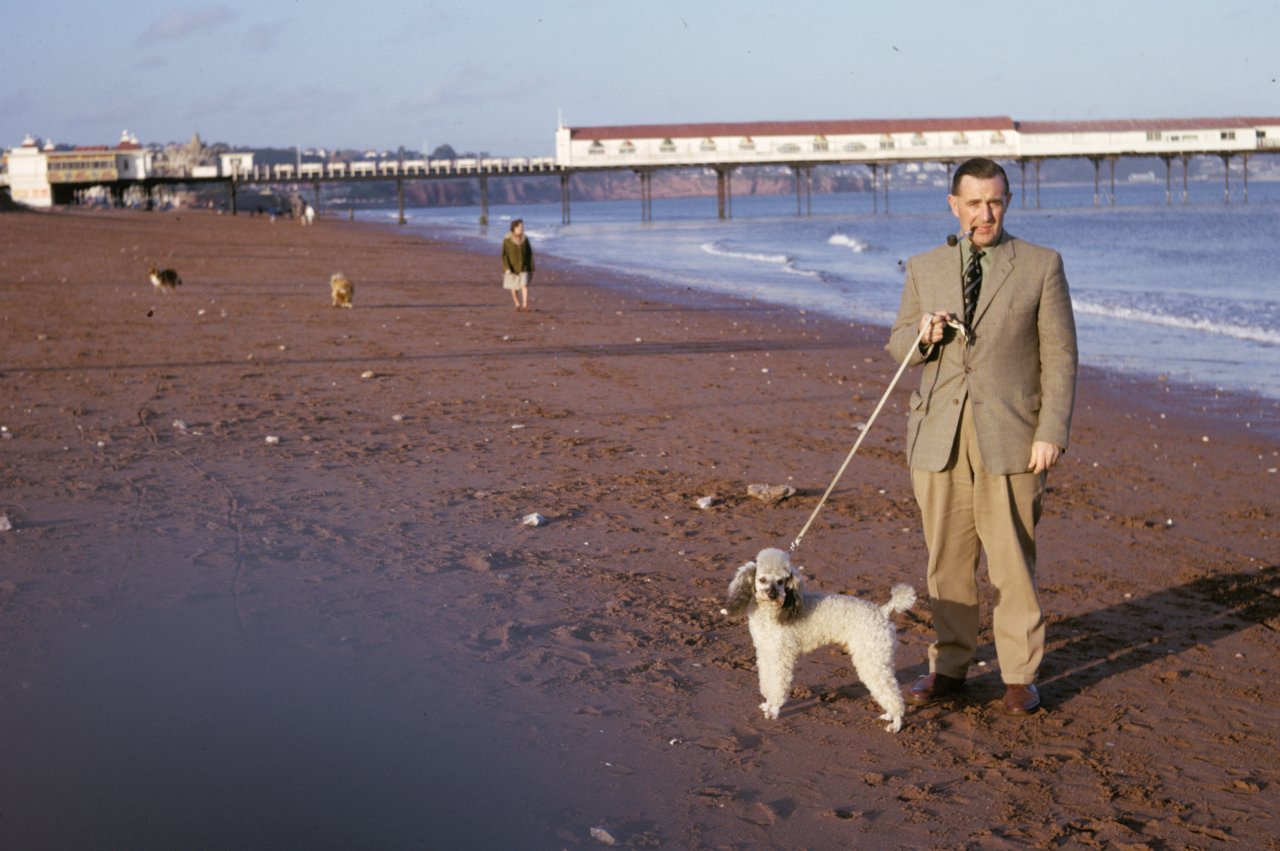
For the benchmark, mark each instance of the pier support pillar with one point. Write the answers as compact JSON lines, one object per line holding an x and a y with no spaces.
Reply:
{"x":1168,"y":178}
{"x":875,"y":189}
{"x":804,"y":188}
{"x":1111,"y":162}
{"x":724,"y":193}
{"x":1022,"y":166}
{"x":1185,"y":159}
{"x":1097,"y":176}
{"x":315,"y":193}
{"x":400,"y":199}
{"x":564,"y":198}
{"x":888,"y":169}
{"x":1226,"y":178}
{"x":646,"y":194}
{"x":231,"y":195}
{"x":484,"y":200}
{"x":1037,"y":184}
{"x":1244,"y":160}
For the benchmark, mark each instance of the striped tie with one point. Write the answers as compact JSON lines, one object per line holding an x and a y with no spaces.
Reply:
{"x":972,"y":286}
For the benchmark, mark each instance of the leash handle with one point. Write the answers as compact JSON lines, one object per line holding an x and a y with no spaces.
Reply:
{"x":892,"y":384}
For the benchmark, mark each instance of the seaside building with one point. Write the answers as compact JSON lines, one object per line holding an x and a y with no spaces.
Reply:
{"x":44,"y":176}
{"x":41,"y":176}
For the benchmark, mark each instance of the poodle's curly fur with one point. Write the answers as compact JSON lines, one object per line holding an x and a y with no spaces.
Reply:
{"x":786,"y":623}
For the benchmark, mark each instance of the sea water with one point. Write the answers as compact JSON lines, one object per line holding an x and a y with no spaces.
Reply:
{"x":1187,"y":292}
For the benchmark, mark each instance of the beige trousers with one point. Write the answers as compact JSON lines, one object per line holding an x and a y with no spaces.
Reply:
{"x":967,"y":510}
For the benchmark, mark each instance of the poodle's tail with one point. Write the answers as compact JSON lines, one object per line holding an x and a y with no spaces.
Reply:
{"x":901,"y":598}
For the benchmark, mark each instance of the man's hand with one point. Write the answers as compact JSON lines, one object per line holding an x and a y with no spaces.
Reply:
{"x":932,"y":327}
{"x":1043,"y":456}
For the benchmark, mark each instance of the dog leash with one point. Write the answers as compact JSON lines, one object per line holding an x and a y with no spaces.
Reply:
{"x":963,"y":332}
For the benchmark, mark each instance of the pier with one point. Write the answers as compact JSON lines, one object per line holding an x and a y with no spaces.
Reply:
{"x":879,"y":145}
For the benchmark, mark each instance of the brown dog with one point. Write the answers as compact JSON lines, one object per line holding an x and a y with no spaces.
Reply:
{"x":342,"y":291}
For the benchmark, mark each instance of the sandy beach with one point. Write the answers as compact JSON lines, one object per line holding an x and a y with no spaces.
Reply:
{"x":266,"y":582}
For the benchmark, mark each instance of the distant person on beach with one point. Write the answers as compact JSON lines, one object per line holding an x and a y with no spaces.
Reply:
{"x":517,"y":264}
{"x":990,"y":418}
{"x":309,"y":215}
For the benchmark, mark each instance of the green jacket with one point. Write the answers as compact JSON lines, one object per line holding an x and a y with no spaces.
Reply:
{"x":516,"y":257}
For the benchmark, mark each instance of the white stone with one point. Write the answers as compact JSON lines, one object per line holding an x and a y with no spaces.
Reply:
{"x":534,"y":519}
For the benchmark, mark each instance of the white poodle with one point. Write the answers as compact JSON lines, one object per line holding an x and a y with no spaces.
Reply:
{"x":786,"y":624}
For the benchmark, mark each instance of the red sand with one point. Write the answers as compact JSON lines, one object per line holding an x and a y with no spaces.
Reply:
{"x":348,"y":638}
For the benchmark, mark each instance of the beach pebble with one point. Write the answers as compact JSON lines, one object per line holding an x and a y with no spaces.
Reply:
{"x":599,"y":834}
{"x":398,"y":417}
{"x":706,"y":502}
{"x":534,"y":519}
{"x":6,"y":524}
{"x":180,"y":425}
{"x":368,"y":373}
{"x":770,"y":493}
{"x":272,"y":439}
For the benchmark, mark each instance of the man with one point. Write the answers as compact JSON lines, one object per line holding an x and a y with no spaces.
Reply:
{"x":989,"y":420}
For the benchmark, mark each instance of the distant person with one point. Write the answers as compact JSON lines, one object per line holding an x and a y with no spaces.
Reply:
{"x":989,"y":420}
{"x":517,"y":264}
{"x":309,"y":215}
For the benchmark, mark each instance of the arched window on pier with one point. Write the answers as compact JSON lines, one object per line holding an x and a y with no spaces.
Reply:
{"x":960,"y":139}
{"x":886,"y":142}
{"x":627,"y":147}
{"x":853,"y":147}
{"x":820,"y":143}
{"x":708,"y":146}
{"x":597,"y":148}
{"x":667,"y":146}
{"x":747,"y":144}
{"x":918,"y":140}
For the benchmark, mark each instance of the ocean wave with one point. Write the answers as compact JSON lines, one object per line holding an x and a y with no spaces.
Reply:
{"x":854,"y":244}
{"x":1189,"y":321}
{"x":717,"y":250}
{"x":784,"y":262}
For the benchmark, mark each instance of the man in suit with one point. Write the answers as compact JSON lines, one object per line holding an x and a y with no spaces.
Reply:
{"x":990,"y":418}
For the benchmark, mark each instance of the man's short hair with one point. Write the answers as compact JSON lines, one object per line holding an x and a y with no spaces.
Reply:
{"x":982,"y":169}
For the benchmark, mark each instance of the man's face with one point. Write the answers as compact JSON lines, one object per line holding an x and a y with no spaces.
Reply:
{"x":979,"y":205}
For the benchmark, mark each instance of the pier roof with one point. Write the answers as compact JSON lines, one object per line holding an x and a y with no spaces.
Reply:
{"x":1125,"y":125}
{"x":849,"y":127}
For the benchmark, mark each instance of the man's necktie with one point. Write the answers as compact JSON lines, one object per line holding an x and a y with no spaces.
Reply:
{"x":972,"y":286}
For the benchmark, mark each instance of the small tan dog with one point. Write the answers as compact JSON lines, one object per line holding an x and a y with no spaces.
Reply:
{"x":166,"y":280}
{"x":342,"y":290}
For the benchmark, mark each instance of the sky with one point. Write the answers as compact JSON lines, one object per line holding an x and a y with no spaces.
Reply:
{"x":498,"y":78}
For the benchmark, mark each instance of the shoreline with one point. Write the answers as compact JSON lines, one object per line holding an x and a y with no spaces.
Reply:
{"x":349,"y":636}
{"x":1223,"y":369}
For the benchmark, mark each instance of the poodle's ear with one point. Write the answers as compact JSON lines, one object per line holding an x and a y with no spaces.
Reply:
{"x":792,"y":600}
{"x":742,"y":589}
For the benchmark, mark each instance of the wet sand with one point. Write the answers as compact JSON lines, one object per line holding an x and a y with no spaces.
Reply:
{"x":348,"y":638}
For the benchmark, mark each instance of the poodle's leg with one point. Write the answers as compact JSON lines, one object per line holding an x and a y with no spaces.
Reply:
{"x":775,"y":681}
{"x":877,"y":675}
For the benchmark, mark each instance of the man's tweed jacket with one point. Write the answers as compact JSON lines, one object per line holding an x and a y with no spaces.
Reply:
{"x":1019,"y":371}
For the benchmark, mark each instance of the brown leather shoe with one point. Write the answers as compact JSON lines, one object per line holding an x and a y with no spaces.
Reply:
{"x":931,"y":687}
{"x":1020,"y":699}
